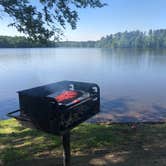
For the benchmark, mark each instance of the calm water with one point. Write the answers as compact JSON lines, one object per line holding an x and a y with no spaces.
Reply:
{"x":132,"y":81}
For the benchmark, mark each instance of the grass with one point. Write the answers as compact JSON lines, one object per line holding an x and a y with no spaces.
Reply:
{"x":91,"y":144}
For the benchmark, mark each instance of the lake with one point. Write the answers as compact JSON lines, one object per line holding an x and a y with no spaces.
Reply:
{"x":132,"y":81}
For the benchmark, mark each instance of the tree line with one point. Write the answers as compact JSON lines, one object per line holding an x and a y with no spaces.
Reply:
{"x":86,"y":44}
{"x":22,"y":42}
{"x":133,"y":39}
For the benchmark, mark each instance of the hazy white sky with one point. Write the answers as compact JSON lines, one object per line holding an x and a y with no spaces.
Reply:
{"x":119,"y":15}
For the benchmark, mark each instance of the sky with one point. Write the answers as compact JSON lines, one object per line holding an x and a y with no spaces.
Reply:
{"x":118,"y":16}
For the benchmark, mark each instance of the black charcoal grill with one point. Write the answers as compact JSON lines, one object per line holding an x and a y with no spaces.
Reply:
{"x":56,"y":108}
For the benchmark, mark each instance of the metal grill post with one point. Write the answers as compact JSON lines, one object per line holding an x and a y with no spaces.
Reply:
{"x":66,"y":148}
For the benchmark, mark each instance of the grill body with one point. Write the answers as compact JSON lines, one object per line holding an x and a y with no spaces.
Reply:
{"x":38,"y":107}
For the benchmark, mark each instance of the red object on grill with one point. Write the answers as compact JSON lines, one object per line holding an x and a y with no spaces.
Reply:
{"x":67,"y":95}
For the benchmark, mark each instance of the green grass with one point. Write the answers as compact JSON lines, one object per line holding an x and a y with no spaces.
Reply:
{"x":17,"y":142}
{"x":89,"y":142}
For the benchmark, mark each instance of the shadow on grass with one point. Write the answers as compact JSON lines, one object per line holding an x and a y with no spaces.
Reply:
{"x":91,"y":145}
{"x":104,"y":158}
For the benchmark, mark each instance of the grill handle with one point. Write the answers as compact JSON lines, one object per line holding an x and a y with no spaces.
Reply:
{"x":18,"y":117}
{"x":76,"y":105}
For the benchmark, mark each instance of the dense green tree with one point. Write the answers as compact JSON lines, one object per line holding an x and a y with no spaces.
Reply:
{"x":134,"y":39}
{"x":48,"y":18}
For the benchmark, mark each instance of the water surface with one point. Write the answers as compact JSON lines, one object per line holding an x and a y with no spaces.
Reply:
{"x":132,"y":81}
